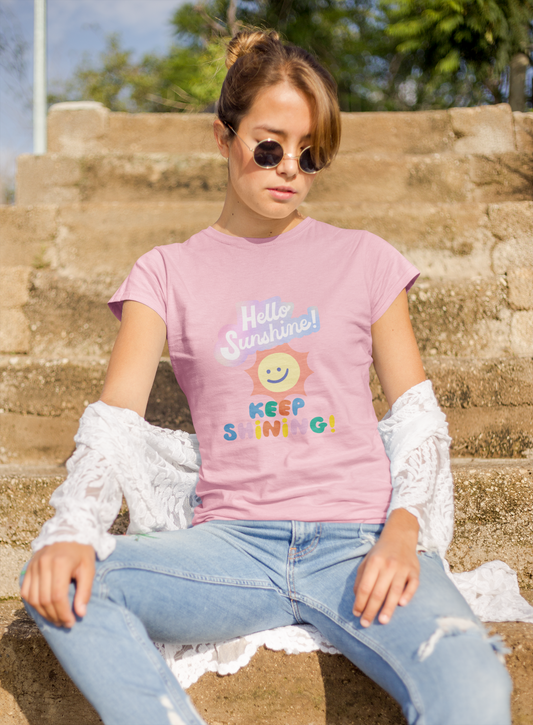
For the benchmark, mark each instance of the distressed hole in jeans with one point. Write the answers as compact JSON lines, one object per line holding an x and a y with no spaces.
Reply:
{"x":367,"y":537}
{"x":173,"y":717}
{"x":453,"y":626}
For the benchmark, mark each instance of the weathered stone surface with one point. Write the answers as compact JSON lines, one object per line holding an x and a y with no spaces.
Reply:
{"x":469,"y":318}
{"x":520,"y":280}
{"x":26,"y":233}
{"x":107,"y":238}
{"x":14,"y":283}
{"x":41,"y":403}
{"x":489,"y":404}
{"x":493,"y":516}
{"x":47,"y":179}
{"x":49,"y":387}
{"x":14,"y":331}
{"x":24,"y":496}
{"x":444,"y":241}
{"x":12,"y":560}
{"x":358,"y":178}
{"x":512,"y":223}
{"x":79,"y":128}
{"x":36,"y":439}
{"x":491,"y":432}
{"x":483,"y":130}
{"x":305,"y":689}
{"x":522,"y":333}
{"x":523,"y":123}
{"x":433,"y":178}
{"x":69,"y":317}
{"x":470,"y":382}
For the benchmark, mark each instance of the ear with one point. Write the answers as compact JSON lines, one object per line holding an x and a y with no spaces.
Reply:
{"x":222,"y":137}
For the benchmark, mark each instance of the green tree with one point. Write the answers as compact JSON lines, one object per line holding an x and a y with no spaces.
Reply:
{"x":448,"y":39}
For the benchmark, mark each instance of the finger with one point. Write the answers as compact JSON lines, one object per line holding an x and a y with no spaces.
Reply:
{"x":60,"y":603}
{"x":396,"y":590}
{"x":84,"y":581}
{"x":356,"y":585}
{"x":377,"y":597}
{"x":365,"y":587}
{"x":410,"y":589}
{"x":33,"y":597}
{"x":45,"y":606}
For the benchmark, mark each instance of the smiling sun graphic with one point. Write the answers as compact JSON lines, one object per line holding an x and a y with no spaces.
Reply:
{"x":281,"y":371}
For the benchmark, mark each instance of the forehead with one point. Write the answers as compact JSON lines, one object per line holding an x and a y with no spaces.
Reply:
{"x":281,"y":108}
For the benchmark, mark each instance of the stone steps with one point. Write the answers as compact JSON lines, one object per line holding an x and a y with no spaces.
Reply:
{"x":59,"y":265}
{"x":494,"y":501}
{"x":445,"y":240}
{"x":77,"y":129}
{"x":364,"y":177}
{"x":304,"y":689}
{"x":489,"y":405}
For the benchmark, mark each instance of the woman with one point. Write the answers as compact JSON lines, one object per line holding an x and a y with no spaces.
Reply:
{"x":272,"y":321}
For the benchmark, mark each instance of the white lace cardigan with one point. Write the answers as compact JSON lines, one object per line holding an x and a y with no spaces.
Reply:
{"x":118,"y":453}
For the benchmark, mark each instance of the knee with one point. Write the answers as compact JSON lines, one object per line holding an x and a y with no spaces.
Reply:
{"x":472,"y":685}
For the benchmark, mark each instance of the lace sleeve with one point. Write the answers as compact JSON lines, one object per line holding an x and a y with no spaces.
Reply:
{"x":119,"y":453}
{"x":415,"y":436}
{"x":86,"y":504}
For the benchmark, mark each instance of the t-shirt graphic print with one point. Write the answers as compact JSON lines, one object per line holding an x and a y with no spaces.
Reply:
{"x":278,"y":371}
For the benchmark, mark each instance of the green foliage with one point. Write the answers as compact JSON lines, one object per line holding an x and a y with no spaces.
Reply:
{"x":445,"y":37}
{"x":386,"y":55}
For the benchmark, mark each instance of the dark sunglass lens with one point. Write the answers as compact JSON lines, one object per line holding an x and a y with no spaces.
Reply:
{"x":307,"y":164}
{"x":268,"y":154}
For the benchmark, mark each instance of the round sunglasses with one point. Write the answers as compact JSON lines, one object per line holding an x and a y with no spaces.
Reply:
{"x":268,"y":154}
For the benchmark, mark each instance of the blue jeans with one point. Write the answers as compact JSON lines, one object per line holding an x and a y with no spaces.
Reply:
{"x":223,"y":579}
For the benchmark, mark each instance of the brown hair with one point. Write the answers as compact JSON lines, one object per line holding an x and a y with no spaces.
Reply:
{"x":258,"y":60}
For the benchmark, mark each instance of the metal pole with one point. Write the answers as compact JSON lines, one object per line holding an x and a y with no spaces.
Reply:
{"x":39,"y":77}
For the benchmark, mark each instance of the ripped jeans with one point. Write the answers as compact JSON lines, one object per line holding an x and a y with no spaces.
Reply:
{"x":223,"y":579}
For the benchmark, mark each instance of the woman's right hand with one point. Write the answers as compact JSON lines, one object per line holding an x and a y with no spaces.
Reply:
{"x":48,"y":576}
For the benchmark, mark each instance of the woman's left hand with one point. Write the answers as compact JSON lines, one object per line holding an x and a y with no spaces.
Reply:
{"x":389,"y":573}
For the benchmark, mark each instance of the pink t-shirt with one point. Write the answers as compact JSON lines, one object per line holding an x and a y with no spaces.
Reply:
{"x":270,"y":341}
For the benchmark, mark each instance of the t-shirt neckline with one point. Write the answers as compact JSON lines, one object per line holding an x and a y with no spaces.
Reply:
{"x":260,"y":242}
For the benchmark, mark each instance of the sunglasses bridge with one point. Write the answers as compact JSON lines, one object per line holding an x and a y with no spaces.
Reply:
{"x":292,"y":157}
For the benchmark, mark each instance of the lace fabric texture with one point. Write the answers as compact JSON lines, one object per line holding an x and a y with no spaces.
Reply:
{"x":119,"y":454}
{"x":416,"y":441}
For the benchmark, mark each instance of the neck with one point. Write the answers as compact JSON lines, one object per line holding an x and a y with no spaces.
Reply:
{"x":238,"y":220}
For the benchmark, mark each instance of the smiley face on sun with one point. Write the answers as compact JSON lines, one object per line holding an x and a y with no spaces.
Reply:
{"x":280,"y":371}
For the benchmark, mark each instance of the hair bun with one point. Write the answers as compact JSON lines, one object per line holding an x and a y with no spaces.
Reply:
{"x":246,"y":41}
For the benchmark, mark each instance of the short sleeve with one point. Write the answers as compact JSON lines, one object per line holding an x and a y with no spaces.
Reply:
{"x":146,"y":283}
{"x":389,"y":273}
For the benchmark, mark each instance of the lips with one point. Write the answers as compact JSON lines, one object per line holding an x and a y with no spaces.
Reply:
{"x":282,"y":193}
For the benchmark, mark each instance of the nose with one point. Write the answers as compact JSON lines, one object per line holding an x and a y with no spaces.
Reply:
{"x":288,"y":165}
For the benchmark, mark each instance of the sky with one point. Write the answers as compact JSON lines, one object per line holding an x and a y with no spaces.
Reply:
{"x":75,"y":27}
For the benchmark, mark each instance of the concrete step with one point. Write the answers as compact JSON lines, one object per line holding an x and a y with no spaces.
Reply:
{"x":89,"y":241}
{"x":61,"y":317}
{"x":364,"y":177}
{"x":489,"y":405}
{"x":494,"y":510}
{"x":304,"y":689}
{"x":78,"y":129}
{"x":41,"y":403}
{"x":493,"y":514}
